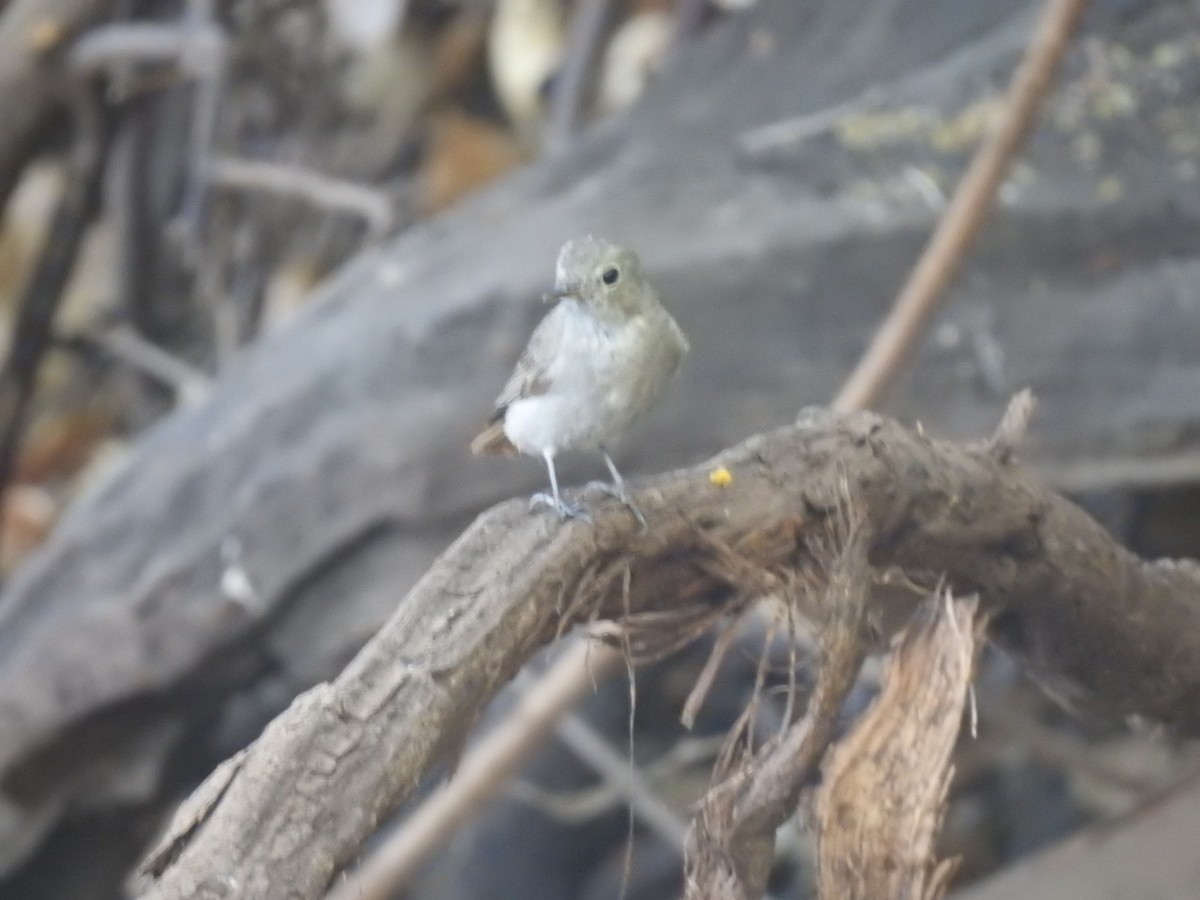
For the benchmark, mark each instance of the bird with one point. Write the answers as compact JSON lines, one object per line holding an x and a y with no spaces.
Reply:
{"x":594,"y":365}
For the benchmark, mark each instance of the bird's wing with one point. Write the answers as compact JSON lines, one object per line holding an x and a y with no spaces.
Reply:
{"x":529,"y":377}
{"x":682,"y":345}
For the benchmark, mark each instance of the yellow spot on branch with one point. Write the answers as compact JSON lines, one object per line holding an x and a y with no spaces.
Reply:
{"x":721,"y":477}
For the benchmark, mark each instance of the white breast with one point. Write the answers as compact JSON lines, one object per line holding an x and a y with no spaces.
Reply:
{"x":602,"y":378}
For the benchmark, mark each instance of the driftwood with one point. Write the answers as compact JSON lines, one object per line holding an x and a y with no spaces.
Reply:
{"x":1114,"y":633}
{"x":885,"y":786}
{"x":249,"y":546}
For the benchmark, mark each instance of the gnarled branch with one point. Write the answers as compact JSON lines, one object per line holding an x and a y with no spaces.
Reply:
{"x":1099,"y":625}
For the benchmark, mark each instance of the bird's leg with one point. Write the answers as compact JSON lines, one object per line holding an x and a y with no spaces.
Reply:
{"x":617,"y":488}
{"x":554,"y":500}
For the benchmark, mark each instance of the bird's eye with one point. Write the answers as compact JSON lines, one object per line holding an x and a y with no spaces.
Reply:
{"x":610,"y":276}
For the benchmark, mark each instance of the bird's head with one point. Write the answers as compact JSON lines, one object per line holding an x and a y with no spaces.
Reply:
{"x":603,"y":276}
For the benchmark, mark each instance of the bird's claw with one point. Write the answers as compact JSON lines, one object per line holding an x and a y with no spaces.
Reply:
{"x":612,"y":490}
{"x":564,"y":509}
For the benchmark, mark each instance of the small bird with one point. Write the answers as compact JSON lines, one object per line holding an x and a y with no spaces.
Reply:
{"x":594,"y":364}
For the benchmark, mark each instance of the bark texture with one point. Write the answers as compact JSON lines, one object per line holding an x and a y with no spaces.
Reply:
{"x":1115,"y":633}
{"x":883,"y":795}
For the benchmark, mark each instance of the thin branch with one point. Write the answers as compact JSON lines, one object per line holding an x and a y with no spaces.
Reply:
{"x":209,"y":72}
{"x":587,"y":30}
{"x":585,"y":804}
{"x":33,"y":331}
{"x":617,"y":772}
{"x":118,"y":44}
{"x":322,"y":191}
{"x":896,"y":338}
{"x":190,"y":384}
{"x":491,"y":762}
{"x":766,"y":138}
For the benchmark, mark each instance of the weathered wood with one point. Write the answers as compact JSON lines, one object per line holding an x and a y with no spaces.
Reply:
{"x":884,"y":787}
{"x":1113,"y":633}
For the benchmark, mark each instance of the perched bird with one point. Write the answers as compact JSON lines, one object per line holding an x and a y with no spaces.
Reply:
{"x":594,"y":364}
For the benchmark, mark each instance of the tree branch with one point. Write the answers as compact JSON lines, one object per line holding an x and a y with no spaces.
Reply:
{"x":1097,"y":624}
{"x":30,"y":31}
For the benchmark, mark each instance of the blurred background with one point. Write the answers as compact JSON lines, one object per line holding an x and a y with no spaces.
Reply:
{"x":264,"y":265}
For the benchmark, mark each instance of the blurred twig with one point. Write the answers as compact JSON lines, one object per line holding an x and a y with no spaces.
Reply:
{"x":209,"y":74}
{"x":621,"y":775}
{"x":489,"y":764}
{"x":574,"y":807}
{"x":588,"y":26}
{"x":116,"y":45}
{"x":190,"y":385}
{"x":39,"y":303}
{"x":331,"y":194}
{"x":896,"y":338}
{"x":766,"y":138}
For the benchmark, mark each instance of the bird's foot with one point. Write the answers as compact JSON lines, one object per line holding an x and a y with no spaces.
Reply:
{"x":618,"y":492}
{"x":564,"y":509}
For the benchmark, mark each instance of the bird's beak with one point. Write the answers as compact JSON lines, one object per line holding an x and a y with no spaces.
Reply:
{"x":564,"y":293}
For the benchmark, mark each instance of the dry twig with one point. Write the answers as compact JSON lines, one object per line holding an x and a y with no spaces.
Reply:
{"x":323,"y":191}
{"x":587,"y":30}
{"x":893,"y":343}
{"x":490,"y":764}
{"x":734,"y":829}
{"x":621,"y":778}
{"x":190,"y":384}
{"x":33,"y":331}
